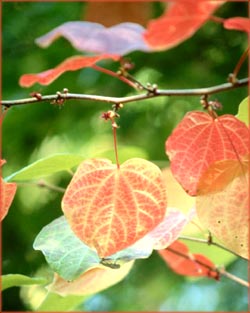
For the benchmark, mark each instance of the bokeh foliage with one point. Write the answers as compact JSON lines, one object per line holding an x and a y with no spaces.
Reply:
{"x":34,"y":131}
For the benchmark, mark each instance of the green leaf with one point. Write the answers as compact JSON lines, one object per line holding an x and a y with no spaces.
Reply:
{"x":243,"y":112}
{"x":65,"y":253}
{"x":15,"y":280}
{"x":47,"y":166}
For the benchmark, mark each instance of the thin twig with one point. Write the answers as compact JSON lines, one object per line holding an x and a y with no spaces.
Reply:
{"x":208,"y":242}
{"x":115,"y":100}
{"x":44,"y":184}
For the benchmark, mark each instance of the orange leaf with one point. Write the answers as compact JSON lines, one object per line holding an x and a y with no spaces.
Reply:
{"x":110,"y":208}
{"x":92,"y":281}
{"x":181,"y":261}
{"x":7,"y":193}
{"x":180,"y":21}
{"x":223,"y":203}
{"x":199,"y":141}
{"x":71,"y":64}
{"x":237,"y":23}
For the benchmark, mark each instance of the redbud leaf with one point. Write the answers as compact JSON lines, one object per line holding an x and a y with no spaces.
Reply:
{"x":7,"y":193}
{"x":223,"y":203}
{"x":70,"y":64}
{"x":93,"y":37}
{"x":110,"y":208}
{"x":243,"y":112}
{"x":90,"y":282}
{"x":66,"y":254}
{"x":180,"y":21}
{"x":47,"y":166}
{"x":237,"y":23}
{"x":181,"y":261}
{"x":14,"y":280}
{"x":199,"y":140}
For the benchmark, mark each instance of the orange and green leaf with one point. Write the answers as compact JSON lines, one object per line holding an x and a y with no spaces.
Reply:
{"x":109,"y":208}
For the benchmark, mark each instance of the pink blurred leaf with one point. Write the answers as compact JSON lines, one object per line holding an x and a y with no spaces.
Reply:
{"x":93,"y":37}
{"x":199,"y":141}
{"x":71,"y":64}
{"x":180,"y":21}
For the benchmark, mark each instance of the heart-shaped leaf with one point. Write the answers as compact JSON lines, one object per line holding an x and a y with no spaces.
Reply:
{"x":179,"y":22}
{"x":243,"y":112}
{"x":70,"y":64}
{"x":181,"y":261}
{"x":223,"y":203}
{"x":200,"y":140}
{"x":47,"y":166}
{"x":110,"y":208}
{"x":7,"y":193}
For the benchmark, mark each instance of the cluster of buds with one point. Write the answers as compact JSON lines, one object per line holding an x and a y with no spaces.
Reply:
{"x":112,"y":114}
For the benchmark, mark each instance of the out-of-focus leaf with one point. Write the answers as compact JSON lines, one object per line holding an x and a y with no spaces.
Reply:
{"x":200,"y":140}
{"x":70,"y":64}
{"x":237,"y":23}
{"x":7,"y":193}
{"x":65,"y":253}
{"x":93,"y":37}
{"x":47,"y":166}
{"x":223,"y":203}
{"x":92,"y":281}
{"x":15,"y":280}
{"x":243,"y":112}
{"x":180,"y":21}
{"x":180,"y":260}
{"x":110,"y":208}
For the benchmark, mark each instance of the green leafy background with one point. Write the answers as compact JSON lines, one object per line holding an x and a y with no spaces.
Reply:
{"x":34,"y":132}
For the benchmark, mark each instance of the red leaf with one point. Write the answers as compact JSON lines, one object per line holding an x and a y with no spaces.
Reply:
{"x":110,"y":208}
{"x":93,"y":37}
{"x":71,"y":64}
{"x":181,"y":261}
{"x":199,"y":141}
{"x":7,"y":193}
{"x":237,"y":23}
{"x":180,"y":21}
{"x":223,"y":203}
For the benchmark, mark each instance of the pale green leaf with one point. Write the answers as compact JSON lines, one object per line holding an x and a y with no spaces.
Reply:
{"x":47,"y":166}
{"x":243,"y":112}
{"x":15,"y":280}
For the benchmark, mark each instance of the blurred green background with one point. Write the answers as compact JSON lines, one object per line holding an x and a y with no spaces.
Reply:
{"x":31,"y":132}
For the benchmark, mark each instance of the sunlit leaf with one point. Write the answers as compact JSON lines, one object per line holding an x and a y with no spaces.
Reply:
{"x":15,"y":280}
{"x":180,"y":21}
{"x":243,"y":112}
{"x":47,"y":166}
{"x":110,"y":208}
{"x":199,"y":141}
{"x":181,"y":261}
{"x":70,"y":64}
{"x":237,"y":23}
{"x":92,"y":281}
{"x":93,"y":37}
{"x":65,"y":253}
{"x":223,"y":203}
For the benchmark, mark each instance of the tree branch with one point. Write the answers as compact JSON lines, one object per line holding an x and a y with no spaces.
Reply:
{"x":59,"y":98}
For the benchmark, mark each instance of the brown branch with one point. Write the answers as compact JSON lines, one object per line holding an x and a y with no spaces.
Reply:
{"x":60,"y":97}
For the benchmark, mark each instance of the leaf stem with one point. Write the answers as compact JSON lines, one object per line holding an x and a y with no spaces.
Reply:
{"x":44,"y":184}
{"x":115,"y":147}
{"x":240,"y":62}
{"x":115,"y":100}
